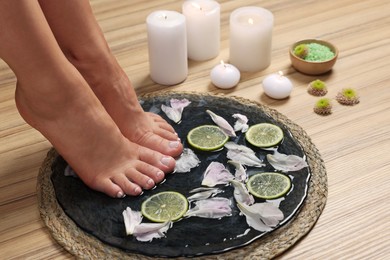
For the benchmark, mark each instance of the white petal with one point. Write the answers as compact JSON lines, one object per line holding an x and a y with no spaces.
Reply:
{"x":261,"y":216}
{"x":147,"y":231}
{"x":240,"y":173}
{"x":285,"y":162}
{"x":173,"y":114}
{"x":222,"y":123}
{"x":243,"y":155}
{"x":241,"y":123}
{"x":186,"y":161}
{"x":215,"y":174}
{"x":253,"y":219}
{"x":204,"y":194}
{"x":131,"y":219}
{"x":211,"y":208}
{"x":241,"y":194}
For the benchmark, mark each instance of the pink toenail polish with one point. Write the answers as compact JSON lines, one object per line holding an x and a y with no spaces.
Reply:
{"x":174,"y":144}
{"x":166,"y":161}
{"x":120,"y":195}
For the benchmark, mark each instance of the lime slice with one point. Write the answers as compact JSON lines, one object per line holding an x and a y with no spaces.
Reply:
{"x":264,"y":135}
{"x":164,"y":206}
{"x":207,"y":138}
{"x":269,"y":185}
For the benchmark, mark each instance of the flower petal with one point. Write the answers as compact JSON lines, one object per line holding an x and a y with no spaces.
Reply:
{"x":241,"y":123}
{"x":285,"y":162}
{"x":186,"y":161}
{"x":243,"y":155}
{"x":261,"y":216}
{"x":175,"y":111}
{"x":132,"y":219}
{"x":222,"y":123}
{"x":204,"y":194}
{"x":211,"y":208}
{"x":240,"y":173}
{"x":215,"y":174}
{"x":241,"y":194}
{"x":147,"y":231}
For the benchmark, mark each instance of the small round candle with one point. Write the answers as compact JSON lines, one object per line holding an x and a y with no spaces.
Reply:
{"x":277,"y":86}
{"x":225,"y":76}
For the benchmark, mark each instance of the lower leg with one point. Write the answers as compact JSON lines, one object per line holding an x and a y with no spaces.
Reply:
{"x":53,"y":97}
{"x":83,"y":43}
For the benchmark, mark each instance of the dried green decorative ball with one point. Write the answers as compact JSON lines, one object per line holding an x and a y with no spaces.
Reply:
{"x":323,"y":106}
{"x":317,"y":88}
{"x":301,"y":51}
{"x":348,"y":96}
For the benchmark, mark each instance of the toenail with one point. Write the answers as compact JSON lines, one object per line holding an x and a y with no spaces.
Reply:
{"x":120,"y":195}
{"x":137,"y":190}
{"x":150,"y":182}
{"x":160,"y":174}
{"x":174,"y":144}
{"x":166,"y":161}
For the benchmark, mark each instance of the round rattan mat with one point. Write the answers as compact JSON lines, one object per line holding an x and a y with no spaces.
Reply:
{"x":86,"y":246}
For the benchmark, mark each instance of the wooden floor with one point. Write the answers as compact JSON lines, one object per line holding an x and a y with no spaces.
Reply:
{"x":354,"y":141}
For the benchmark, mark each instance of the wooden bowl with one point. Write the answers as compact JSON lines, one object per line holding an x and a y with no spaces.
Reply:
{"x":313,"y":67}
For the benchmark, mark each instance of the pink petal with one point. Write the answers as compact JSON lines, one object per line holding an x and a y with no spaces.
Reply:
{"x":179,"y":103}
{"x":215,"y":174}
{"x":175,"y":111}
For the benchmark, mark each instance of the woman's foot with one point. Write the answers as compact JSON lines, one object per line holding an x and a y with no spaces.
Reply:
{"x":68,"y":114}
{"x":53,"y":97}
{"x":113,"y":88}
{"x":83,"y":43}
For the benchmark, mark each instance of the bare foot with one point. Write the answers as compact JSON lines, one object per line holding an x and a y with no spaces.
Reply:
{"x":87,"y":49}
{"x":113,"y":88}
{"x":68,"y":114}
{"x":53,"y":97}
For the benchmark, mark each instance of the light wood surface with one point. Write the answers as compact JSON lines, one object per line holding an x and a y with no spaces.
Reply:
{"x":354,"y":141}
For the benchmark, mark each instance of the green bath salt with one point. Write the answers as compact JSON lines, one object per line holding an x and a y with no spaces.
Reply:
{"x":318,"y":52}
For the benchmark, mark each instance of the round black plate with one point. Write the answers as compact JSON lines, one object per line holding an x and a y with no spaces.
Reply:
{"x":101,"y":215}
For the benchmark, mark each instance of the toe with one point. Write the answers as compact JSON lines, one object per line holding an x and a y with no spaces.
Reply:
{"x":163,"y":162}
{"x":128,"y":187}
{"x":108,"y":187}
{"x":155,"y":142}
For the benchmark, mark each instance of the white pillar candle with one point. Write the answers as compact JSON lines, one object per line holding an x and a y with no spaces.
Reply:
{"x":251,"y":38}
{"x":225,"y":76}
{"x":167,"y":47}
{"x":277,"y":86}
{"x":203,"y":28}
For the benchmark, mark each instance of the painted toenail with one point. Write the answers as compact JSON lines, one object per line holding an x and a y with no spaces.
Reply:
{"x":137,"y":190}
{"x":160,"y":175}
{"x":166,"y":161}
{"x":120,"y":195}
{"x":150,"y":182}
{"x":174,"y":144}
